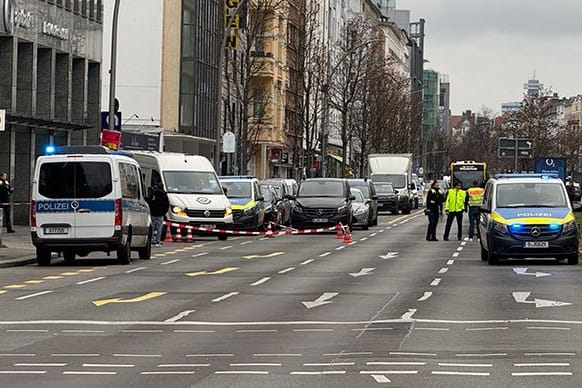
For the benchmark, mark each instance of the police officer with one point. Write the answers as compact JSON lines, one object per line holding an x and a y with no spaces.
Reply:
{"x":475,"y":194}
{"x":5,"y":191}
{"x":434,"y":200}
{"x":455,"y":205}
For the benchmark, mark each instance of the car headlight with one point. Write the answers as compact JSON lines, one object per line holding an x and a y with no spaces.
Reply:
{"x":341,"y":208}
{"x":249,"y":211}
{"x":179,"y":211}
{"x":501,"y":228}
{"x":298,"y":209}
{"x":570,"y":226}
{"x":361,"y":210}
{"x":228,"y":211}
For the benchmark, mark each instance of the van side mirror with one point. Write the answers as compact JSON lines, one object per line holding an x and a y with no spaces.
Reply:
{"x":374,"y":197}
{"x":352,"y":197}
{"x":260,"y":198}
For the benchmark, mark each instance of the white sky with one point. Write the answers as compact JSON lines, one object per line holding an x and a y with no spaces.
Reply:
{"x":490,"y":48}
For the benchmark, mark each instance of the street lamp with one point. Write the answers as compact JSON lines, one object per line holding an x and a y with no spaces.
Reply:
{"x":113,"y":67}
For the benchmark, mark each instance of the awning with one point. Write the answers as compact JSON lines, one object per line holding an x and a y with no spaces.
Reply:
{"x":36,"y":122}
{"x":338,"y":158}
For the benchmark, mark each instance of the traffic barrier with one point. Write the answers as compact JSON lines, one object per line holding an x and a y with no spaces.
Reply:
{"x":168,"y":237}
{"x":269,"y":233}
{"x":178,"y":233}
{"x":189,"y":237}
{"x":348,"y":235}
{"x":340,"y":232}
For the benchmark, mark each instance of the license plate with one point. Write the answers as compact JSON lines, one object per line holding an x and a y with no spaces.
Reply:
{"x":537,"y":244}
{"x":319,"y":220}
{"x":208,"y":226}
{"x":56,"y":230}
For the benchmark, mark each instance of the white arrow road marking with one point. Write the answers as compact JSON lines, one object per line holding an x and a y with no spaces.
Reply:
{"x":363,"y":272}
{"x":323,"y":299}
{"x":409,"y":314}
{"x":179,"y":316}
{"x":389,"y":255}
{"x":520,"y":297}
{"x":425,"y":296}
{"x":523,"y":271}
{"x":381,"y":379}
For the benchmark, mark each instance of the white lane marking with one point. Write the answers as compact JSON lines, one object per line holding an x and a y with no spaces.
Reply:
{"x":186,"y":372}
{"x":400,"y":363}
{"x":182,"y":365}
{"x":226,"y":247}
{"x":75,"y":355}
{"x":408,"y":315}
{"x":170,"y":262}
{"x":459,"y":249}
{"x":480,"y":354}
{"x":373,"y":234}
{"x":388,"y":372}
{"x":135,"y":269}
{"x":245,"y":242}
{"x":195,"y":331}
{"x":83,"y":331}
{"x":18,"y":355}
{"x":381,"y":379}
{"x":223,"y":297}
{"x":73,"y":372}
{"x":456,"y":254}
{"x":364,"y":239}
{"x":382,"y":230}
{"x":535,"y":364}
{"x":257,"y":364}
{"x":39,"y":365}
{"x":443,"y":270}
{"x":425,"y":296}
{"x":451,"y":262}
{"x":308,"y":262}
{"x":283,"y":271}
{"x":436,"y":282}
{"x":22,"y":372}
{"x":258,"y":331}
{"x":411,"y":354}
{"x":27,"y":331}
{"x":90,"y":280}
{"x":550,"y":354}
{"x":141,"y":331}
{"x":349,"y":353}
{"x":547,"y":328}
{"x":108,"y":365}
{"x":277,"y":355}
{"x":372,"y":328}
{"x":179,"y":316}
{"x":259,"y":282}
{"x":33,"y":295}
{"x":325,"y":254}
{"x":523,"y":374}
{"x":463,"y":243}
{"x":263,"y":239}
{"x":340,"y":248}
{"x":312,"y":330}
{"x":432,"y":328}
{"x":241,"y":372}
{"x":455,"y":373}
{"x":486,"y":328}
{"x":137,"y":355}
{"x":211,"y":355}
{"x":329,"y":364}
{"x":200,"y":254}
{"x":453,"y":364}
{"x":326,"y":372}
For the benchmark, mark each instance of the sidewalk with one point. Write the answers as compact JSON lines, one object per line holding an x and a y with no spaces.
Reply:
{"x":18,"y":249}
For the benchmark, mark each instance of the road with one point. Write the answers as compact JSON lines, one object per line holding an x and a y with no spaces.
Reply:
{"x":390,"y":309}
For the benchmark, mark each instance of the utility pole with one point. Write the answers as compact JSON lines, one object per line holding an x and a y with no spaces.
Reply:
{"x":113,"y":67}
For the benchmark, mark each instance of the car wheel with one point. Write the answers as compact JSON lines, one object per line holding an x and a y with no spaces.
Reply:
{"x":491,"y":258}
{"x":416,"y":203}
{"x":145,"y":253}
{"x":222,"y":237}
{"x":365,"y":227}
{"x":406,"y":210}
{"x":124,"y":252}
{"x":43,"y":257}
{"x":69,"y":257}
{"x":572,"y":259}
{"x":484,"y":256}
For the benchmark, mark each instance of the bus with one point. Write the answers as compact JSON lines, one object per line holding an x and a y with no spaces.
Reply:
{"x":468,"y":171}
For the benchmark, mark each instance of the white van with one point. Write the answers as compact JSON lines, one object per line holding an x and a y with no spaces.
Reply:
{"x":87,"y":199}
{"x":195,"y":194}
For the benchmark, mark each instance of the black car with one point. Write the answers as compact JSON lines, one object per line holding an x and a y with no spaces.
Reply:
{"x":387,"y":197}
{"x":369,"y":191}
{"x":273,"y":206}
{"x":322,"y":202}
{"x":284,"y":197}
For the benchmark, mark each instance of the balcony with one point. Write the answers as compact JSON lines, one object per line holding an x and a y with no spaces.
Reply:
{"x":264,"y":65}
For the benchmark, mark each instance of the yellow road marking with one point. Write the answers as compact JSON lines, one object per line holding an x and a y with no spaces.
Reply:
{"x":2,"y":292}
{"x":34,"y":281}
{"x":86,"y":270}
{"x":274,"y":254}
{"x":52,"y":277}
{"x":70,"y":273}
{"x":15,"y":286}
{"x":142,"y":298}
{"x":217,"y":272}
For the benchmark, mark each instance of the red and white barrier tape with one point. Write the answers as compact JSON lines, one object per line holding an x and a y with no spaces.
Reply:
{"x":273,"y":233}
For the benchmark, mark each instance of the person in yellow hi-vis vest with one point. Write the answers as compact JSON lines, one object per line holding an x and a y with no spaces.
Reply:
{"x":455,"y":205}
{"x":475,"y":194}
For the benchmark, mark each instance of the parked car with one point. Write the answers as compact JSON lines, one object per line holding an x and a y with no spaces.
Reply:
{"x":361,"y":209}
{"x":387,"y":197}
{"x":322,"y":202}
{"x":247,"y":202}
{"x":273,"y":207}
{"x":284,"y":197}
{"x":369,"y":191}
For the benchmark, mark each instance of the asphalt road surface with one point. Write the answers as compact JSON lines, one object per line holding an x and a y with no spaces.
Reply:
{"x":390,"y":309}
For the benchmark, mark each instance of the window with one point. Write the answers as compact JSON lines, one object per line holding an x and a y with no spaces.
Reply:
{"x":322,"y":189}
{"x":192,"y":182}
{"x":75,"y":180}
{"x":129,"y":181}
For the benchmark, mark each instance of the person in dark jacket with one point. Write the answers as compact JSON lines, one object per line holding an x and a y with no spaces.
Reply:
{"x":159,"y":205}
{"x":434,"y":201}
{"x":5,"y":192}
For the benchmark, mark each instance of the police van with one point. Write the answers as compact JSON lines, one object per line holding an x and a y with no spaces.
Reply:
{"x":248,"y":203}
{"x":195,"y":195}
{"x":87,"y":199}
{"x":527,"y":215}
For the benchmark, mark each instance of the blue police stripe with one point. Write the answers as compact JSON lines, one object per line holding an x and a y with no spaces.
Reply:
{"x":69,"y":206}
{"x":532,"y":212}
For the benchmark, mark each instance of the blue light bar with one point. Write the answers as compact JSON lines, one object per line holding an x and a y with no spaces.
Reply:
{"x":50,"y":149}
{"x":554,"y":226}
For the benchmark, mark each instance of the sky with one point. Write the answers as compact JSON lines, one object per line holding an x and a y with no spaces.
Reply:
{"x":490,"y":48}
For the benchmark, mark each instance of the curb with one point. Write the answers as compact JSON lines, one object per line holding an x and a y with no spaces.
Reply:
{"x":25,"y":260}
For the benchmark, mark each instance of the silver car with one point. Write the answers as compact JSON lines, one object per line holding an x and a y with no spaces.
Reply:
{"x":360,"y":209}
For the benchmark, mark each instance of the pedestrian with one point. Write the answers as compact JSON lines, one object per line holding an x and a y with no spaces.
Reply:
{"x":434,"y":200}
{"x":455,"y":205}
{"x":5,"y":192}
{"x":159,"y":205}
{"x":475,"y":197}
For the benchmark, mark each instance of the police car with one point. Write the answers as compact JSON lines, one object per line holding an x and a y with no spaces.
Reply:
{"x":527,"y":215}
{"x":247,"y":202}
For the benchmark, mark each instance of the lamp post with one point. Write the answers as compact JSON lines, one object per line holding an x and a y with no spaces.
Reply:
{"x":113,"y":67}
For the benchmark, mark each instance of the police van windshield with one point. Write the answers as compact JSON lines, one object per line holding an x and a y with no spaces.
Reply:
{"x":75,"y":180}
{"x":531,"y":195}
{"x":191,"y":182}
{"x":396,"y":180}
{"x":238,"y":189}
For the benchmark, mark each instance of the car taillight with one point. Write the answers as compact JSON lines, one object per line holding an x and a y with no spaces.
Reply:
{"x":33,"y":216}
{"x":118,"y":214}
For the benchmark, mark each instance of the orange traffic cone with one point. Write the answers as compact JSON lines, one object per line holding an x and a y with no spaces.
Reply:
{"x":168,"y":237}
{"x":348,"y":236}
{"x":340,"y":232}
{"x":269,"y":233}
{"x":178,"y":234}
{"x":189,"y":237}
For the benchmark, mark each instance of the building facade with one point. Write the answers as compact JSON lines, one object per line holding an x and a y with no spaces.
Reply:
{"x":50,"y":83}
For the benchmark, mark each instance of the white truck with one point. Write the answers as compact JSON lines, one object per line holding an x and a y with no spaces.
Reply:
{"x":397,"y":170}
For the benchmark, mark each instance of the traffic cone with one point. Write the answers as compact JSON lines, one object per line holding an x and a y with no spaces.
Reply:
{"x":189,"y":237}
{"x":269,"y":233}
{"x":178,"y":234}
{"x":168,"y":237}
{"x":340,"y":232}
{"x":348,"y":236}
{"x":288,"y":230}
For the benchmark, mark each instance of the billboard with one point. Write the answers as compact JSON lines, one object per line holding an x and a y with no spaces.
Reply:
{"x":550,"y":165}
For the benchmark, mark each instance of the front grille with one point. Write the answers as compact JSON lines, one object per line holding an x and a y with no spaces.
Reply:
{"x":236,"y":214}
{"x":525,"y":233}
{"x":200,"y":213}
{"x":320,"y":213}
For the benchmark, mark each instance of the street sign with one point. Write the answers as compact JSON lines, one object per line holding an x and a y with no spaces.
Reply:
{"x":549,"y":165}
{"x":2,"y":120}
{"x":505,"y":142}
{"x":515,"y":148}
{"x":524,"y":144}
{"x":105,"y":121}
{"x":228,"y":143}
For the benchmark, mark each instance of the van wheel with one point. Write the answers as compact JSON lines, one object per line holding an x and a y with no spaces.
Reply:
{"x":69,"y":257}
{"x":43,"y":257}
{"x":222,"y":237}
{"x":572,"y":259}
{"x":145,"y":253}
{"x":491,"y":258}
{"x":124,"y":252}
